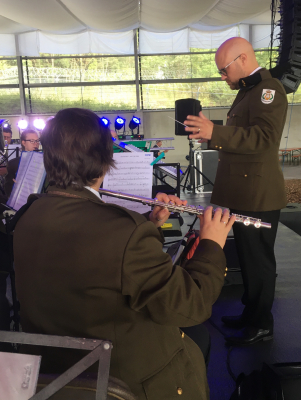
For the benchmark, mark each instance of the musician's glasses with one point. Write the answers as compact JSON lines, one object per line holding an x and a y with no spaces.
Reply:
{"x":223,"y":70}
{"x":32,"y":141}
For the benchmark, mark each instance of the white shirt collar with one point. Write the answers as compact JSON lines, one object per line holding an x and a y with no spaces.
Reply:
{"x":93,"y":191}
{"x":255,"y":70}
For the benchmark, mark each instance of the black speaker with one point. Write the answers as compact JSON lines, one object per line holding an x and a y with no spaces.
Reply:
{"x":290,"y":45}
{"x":184,"y":107}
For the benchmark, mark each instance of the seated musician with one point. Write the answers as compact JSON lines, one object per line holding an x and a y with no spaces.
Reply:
{"x":158,"y":152}
{"x":86,"y":268}
{"x":30,"y":141}
{"x":7,"y":138}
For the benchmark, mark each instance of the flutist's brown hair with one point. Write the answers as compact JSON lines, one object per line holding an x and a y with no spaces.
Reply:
{"x":77,"y":148}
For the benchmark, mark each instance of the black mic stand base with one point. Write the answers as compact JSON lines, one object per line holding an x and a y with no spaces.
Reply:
{"x":190,"y":172}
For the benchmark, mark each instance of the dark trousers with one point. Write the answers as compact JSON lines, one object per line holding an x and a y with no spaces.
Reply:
{"x":255,"y":249}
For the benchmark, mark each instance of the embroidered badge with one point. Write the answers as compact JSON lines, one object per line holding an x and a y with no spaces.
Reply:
{"x":267,"y":96}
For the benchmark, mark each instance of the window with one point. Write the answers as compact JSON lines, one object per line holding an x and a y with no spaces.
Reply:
{"x":53,"y":83}
{"x":9,"y":87}
{"x":111,"y":83}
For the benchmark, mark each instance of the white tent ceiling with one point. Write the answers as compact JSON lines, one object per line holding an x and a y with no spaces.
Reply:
{"x":93,"y":21}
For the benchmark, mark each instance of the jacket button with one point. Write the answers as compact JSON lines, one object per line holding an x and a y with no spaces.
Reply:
{"x":228,"y":117}
{"x":180,"y":391}
{"x":216,"y":147}
{"x":220,"y":147}
{"x":182,"y":335}
{"x":218,"y":160}
{"x":246,"y":176}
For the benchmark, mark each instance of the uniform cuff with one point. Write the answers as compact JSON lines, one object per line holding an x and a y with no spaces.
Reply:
{"x":215,"y":143}
{"x":212,"y":251}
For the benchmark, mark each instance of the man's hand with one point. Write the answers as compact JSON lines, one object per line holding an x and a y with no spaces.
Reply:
{"x":201,"y":127}
{"x":160,"y":215}
{"x":216,"y":227}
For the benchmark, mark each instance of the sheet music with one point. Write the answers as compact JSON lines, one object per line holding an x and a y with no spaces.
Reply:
{"x":132,"y":175}
{"x":19,"y":375}
{"x":30,"y":177}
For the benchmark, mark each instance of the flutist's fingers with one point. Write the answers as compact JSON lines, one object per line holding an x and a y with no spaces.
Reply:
{"x":227,"y":220}
{"x":216,"y":227}
{"x":160,"y":215}
{"x":171,"y":199}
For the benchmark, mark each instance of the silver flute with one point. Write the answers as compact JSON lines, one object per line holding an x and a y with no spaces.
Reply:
{"x":173,"y":207}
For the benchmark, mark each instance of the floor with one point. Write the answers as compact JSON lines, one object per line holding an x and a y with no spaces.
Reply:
{"x":286,"y":345}
{"x":291,"y":171}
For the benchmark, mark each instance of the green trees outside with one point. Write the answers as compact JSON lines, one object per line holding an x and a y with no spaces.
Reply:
{"x":154,"y":71}
{"x":9,"y":97}
{"x":80,"y":70}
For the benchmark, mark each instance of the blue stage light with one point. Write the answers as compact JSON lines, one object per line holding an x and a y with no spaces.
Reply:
{"x":105,"y":121}
{"x":119,"y":123}
{"x":134,"y":123}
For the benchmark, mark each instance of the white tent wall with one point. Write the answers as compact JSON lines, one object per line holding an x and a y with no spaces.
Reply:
{"x":31,"y":44}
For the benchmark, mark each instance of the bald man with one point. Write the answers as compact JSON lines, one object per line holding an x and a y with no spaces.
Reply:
{"x":249,"y":179}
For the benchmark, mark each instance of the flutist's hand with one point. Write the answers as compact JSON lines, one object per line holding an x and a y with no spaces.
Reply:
{"x":160,"y":215}
{"x":216,"y":227}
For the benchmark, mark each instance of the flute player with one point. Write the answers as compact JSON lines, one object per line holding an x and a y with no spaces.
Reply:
{"x":99,"y":270}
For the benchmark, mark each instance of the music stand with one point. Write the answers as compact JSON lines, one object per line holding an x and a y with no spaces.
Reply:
{"x":4,"y":158}
{"x":190,"y":172}
{"x":99,"y":351}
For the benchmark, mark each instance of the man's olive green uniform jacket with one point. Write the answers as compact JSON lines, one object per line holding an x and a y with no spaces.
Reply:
{"x":90,"y":269}
{"x":249,"y":175}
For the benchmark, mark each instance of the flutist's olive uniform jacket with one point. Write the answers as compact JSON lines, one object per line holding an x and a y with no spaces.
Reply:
{"x":249,"y":175}
{"x":89,"y":269}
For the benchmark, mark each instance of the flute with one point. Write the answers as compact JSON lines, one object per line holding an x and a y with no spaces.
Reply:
{"x":189,"y":209}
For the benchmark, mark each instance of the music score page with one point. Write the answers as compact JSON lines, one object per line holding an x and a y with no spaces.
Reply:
{"x":30,"y":178}
{"x":132,"y":175}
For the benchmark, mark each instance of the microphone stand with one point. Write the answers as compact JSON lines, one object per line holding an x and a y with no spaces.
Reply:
{"x":189,"y":173}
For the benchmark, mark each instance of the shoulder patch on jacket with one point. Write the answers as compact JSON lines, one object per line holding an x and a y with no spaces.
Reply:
{"x":267,"y":96}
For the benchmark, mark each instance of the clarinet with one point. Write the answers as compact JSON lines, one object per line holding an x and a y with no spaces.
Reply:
{"x":198,"y":210}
